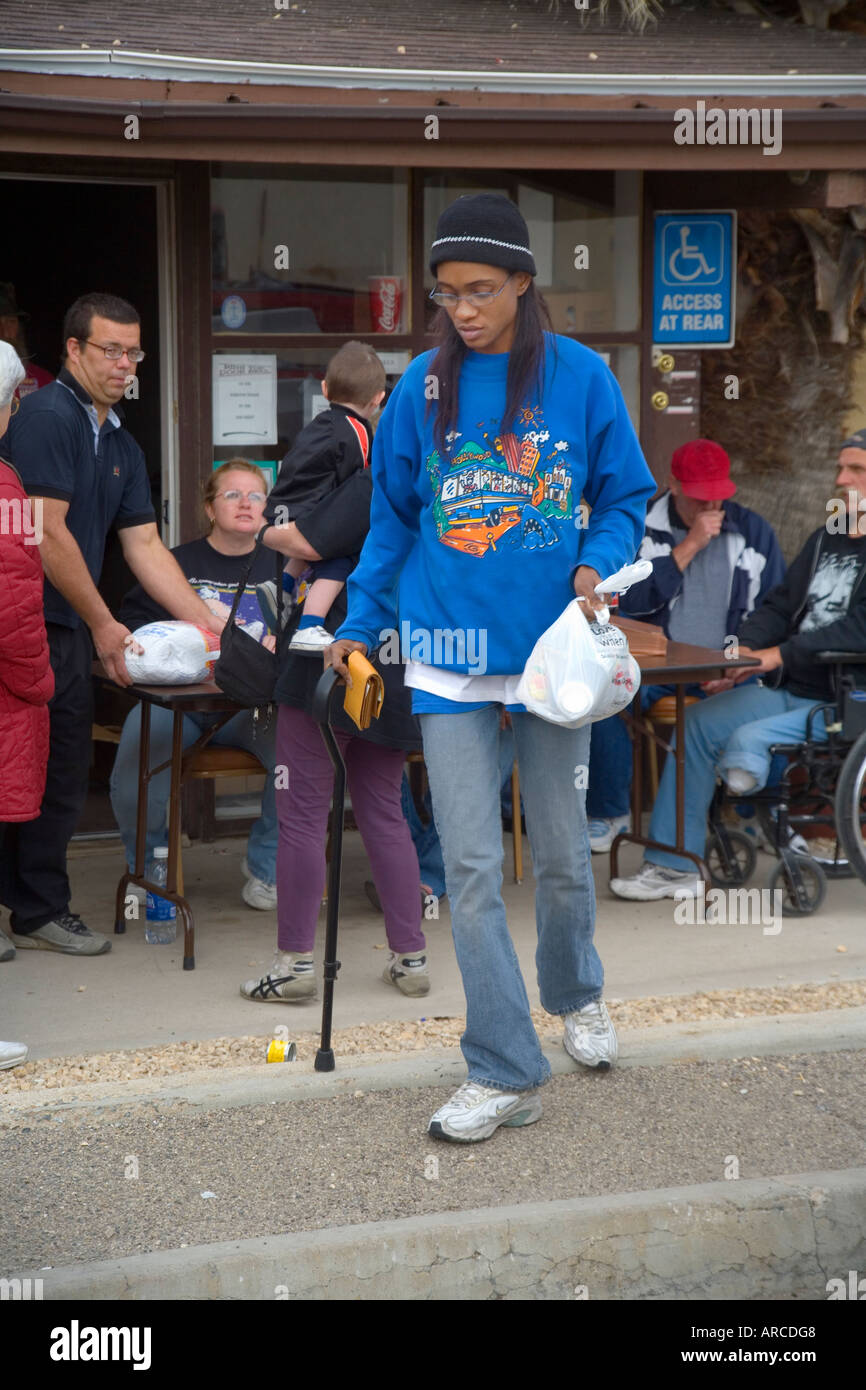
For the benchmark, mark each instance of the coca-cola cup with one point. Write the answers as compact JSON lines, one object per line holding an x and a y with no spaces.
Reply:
{"x":386,"y":300}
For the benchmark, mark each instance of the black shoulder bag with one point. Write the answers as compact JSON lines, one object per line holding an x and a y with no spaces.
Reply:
{"x":245,"y":670}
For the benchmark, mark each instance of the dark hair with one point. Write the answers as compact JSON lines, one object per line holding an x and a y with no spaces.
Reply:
{"x":355,"y":374}
{"x":79,"y":316}
{"x":525,"y":363}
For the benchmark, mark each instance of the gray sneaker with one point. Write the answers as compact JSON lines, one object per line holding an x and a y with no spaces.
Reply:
{"x":7,"y":950}
{"x":67,"y":934}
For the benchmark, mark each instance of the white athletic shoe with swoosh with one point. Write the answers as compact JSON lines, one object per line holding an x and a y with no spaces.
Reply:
{"x":474,"y":1112}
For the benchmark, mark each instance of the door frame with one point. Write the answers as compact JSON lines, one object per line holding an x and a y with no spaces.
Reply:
{"x":166,"y":270}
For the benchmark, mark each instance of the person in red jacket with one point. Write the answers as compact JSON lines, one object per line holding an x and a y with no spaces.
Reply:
{"x":26,"y":677}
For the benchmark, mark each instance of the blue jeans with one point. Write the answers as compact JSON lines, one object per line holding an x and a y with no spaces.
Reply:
{"x":608,"y":793}
{"x":733,"y":730}
{"x":239,"y":732}
{"x":461,"y":751}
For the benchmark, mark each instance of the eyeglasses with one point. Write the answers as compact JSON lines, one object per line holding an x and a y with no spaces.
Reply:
{"x":235,"y":495}
{"x":114,"y":352}
{"x":477,"y":300}
{"x":13,"y":405}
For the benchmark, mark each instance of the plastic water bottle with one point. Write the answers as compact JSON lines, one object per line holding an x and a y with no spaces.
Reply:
{"x":160,"y":928}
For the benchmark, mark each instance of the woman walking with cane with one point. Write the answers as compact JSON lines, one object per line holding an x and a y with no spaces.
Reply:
{"x":482,"y":456}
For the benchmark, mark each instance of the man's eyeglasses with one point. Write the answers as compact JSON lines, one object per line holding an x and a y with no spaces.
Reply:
{"x":477,"y":300}
{"x":235,"y":495}
{"x":114,"y":352}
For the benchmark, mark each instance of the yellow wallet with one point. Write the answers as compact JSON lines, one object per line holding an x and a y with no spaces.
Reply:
{"x":364,"y":699}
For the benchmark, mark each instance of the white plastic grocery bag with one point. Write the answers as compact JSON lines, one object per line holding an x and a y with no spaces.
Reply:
{"x":578,"y":672}
{"x":175,"y":653}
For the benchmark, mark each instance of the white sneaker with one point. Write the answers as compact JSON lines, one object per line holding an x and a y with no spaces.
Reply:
{"x":603,"y":832}
{"x":11,"y":1054}
{"x":590,"y":1037}
{"x":654,"y":881}
{"x":7,"y":950}
{"x":289,"y":977}
{"x":257,"y":893}
{"x":311,"y":639}
{"x":408,"y":972}
{"x":475,"y":1111}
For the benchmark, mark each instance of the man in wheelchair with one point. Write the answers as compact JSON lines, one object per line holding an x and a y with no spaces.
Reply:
{"x":820,"y":606}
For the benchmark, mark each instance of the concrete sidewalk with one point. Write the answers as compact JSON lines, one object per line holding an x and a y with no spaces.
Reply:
{"x":138,"y":995}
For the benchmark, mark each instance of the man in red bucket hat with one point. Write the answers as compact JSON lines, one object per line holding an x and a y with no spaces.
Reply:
{"x":713,"y":563}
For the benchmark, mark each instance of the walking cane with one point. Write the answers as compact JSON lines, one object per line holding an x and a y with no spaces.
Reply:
{"x":363,"y":702}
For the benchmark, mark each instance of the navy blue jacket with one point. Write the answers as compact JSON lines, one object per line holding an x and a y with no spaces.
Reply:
{"x":756,"y":564}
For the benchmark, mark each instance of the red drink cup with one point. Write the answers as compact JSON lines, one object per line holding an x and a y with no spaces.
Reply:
{"x":386,"y":299}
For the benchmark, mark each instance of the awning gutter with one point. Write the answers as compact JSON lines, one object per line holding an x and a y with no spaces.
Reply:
{"x":169,"y":67}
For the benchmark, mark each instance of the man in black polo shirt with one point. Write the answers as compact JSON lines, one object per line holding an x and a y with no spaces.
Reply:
{"x":68,"y":444}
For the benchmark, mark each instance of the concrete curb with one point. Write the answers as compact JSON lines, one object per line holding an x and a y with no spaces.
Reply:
{"x":829,"y":1031}
{"x":764,"y":1238}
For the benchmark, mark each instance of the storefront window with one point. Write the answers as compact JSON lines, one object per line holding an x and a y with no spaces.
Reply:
{"x":624,"y":362}
{"x":261,"y":400}
{"x":584,"y":230}
{"x":309,"y":250}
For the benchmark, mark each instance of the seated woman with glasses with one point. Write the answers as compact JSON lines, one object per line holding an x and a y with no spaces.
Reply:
{"x":234,"y":502}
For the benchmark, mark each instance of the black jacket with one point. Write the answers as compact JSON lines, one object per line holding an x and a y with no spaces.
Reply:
{"x":777,"y":622}
{"x":338,"y":525}
{"x":325,"y":453}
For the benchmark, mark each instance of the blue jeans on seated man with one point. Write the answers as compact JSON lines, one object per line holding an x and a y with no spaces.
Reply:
{"x":461,"y":751}
{"x":730,"y":731}
{"x":241,"y":731}
{"x":608,"y":793}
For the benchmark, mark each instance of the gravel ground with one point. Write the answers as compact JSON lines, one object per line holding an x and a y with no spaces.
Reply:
{"x":82,"y":1187}
{"x":409,"y":1036}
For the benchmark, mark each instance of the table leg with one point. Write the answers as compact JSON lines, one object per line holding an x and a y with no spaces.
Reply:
{"x":634,"y":837}
{"x":516,"y":827}
{"x":680,"y":757}
{"x":634,"y":722}
{"x":174,"y":883}
{"x":140,"y":821}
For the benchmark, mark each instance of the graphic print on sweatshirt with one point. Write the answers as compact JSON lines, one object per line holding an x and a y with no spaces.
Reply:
{"x":508,"y":488}
{"x":830,"y":591}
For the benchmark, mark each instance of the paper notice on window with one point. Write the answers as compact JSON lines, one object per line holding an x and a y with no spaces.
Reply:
{"x":244,"y":398}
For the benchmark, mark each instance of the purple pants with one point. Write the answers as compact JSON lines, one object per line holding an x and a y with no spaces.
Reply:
{"x":374,"y":778}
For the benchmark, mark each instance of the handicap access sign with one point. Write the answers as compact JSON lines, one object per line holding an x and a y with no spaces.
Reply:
{"x":693,"y":279}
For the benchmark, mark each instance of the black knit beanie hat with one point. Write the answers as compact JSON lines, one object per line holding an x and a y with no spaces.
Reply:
{"x":483,"y":227}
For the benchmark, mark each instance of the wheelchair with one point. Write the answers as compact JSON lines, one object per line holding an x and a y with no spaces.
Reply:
{"x":822,"y":784}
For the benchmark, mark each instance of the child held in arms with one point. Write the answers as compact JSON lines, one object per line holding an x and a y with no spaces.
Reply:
{"x":325,"y":453}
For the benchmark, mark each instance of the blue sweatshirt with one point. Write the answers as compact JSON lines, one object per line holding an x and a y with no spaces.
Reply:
{"x":488,"y":537}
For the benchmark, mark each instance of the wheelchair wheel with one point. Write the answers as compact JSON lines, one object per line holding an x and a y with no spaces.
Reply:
{"x":851,"y":807}
{"x":801,"y":881}
{"x":730,"y":857}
